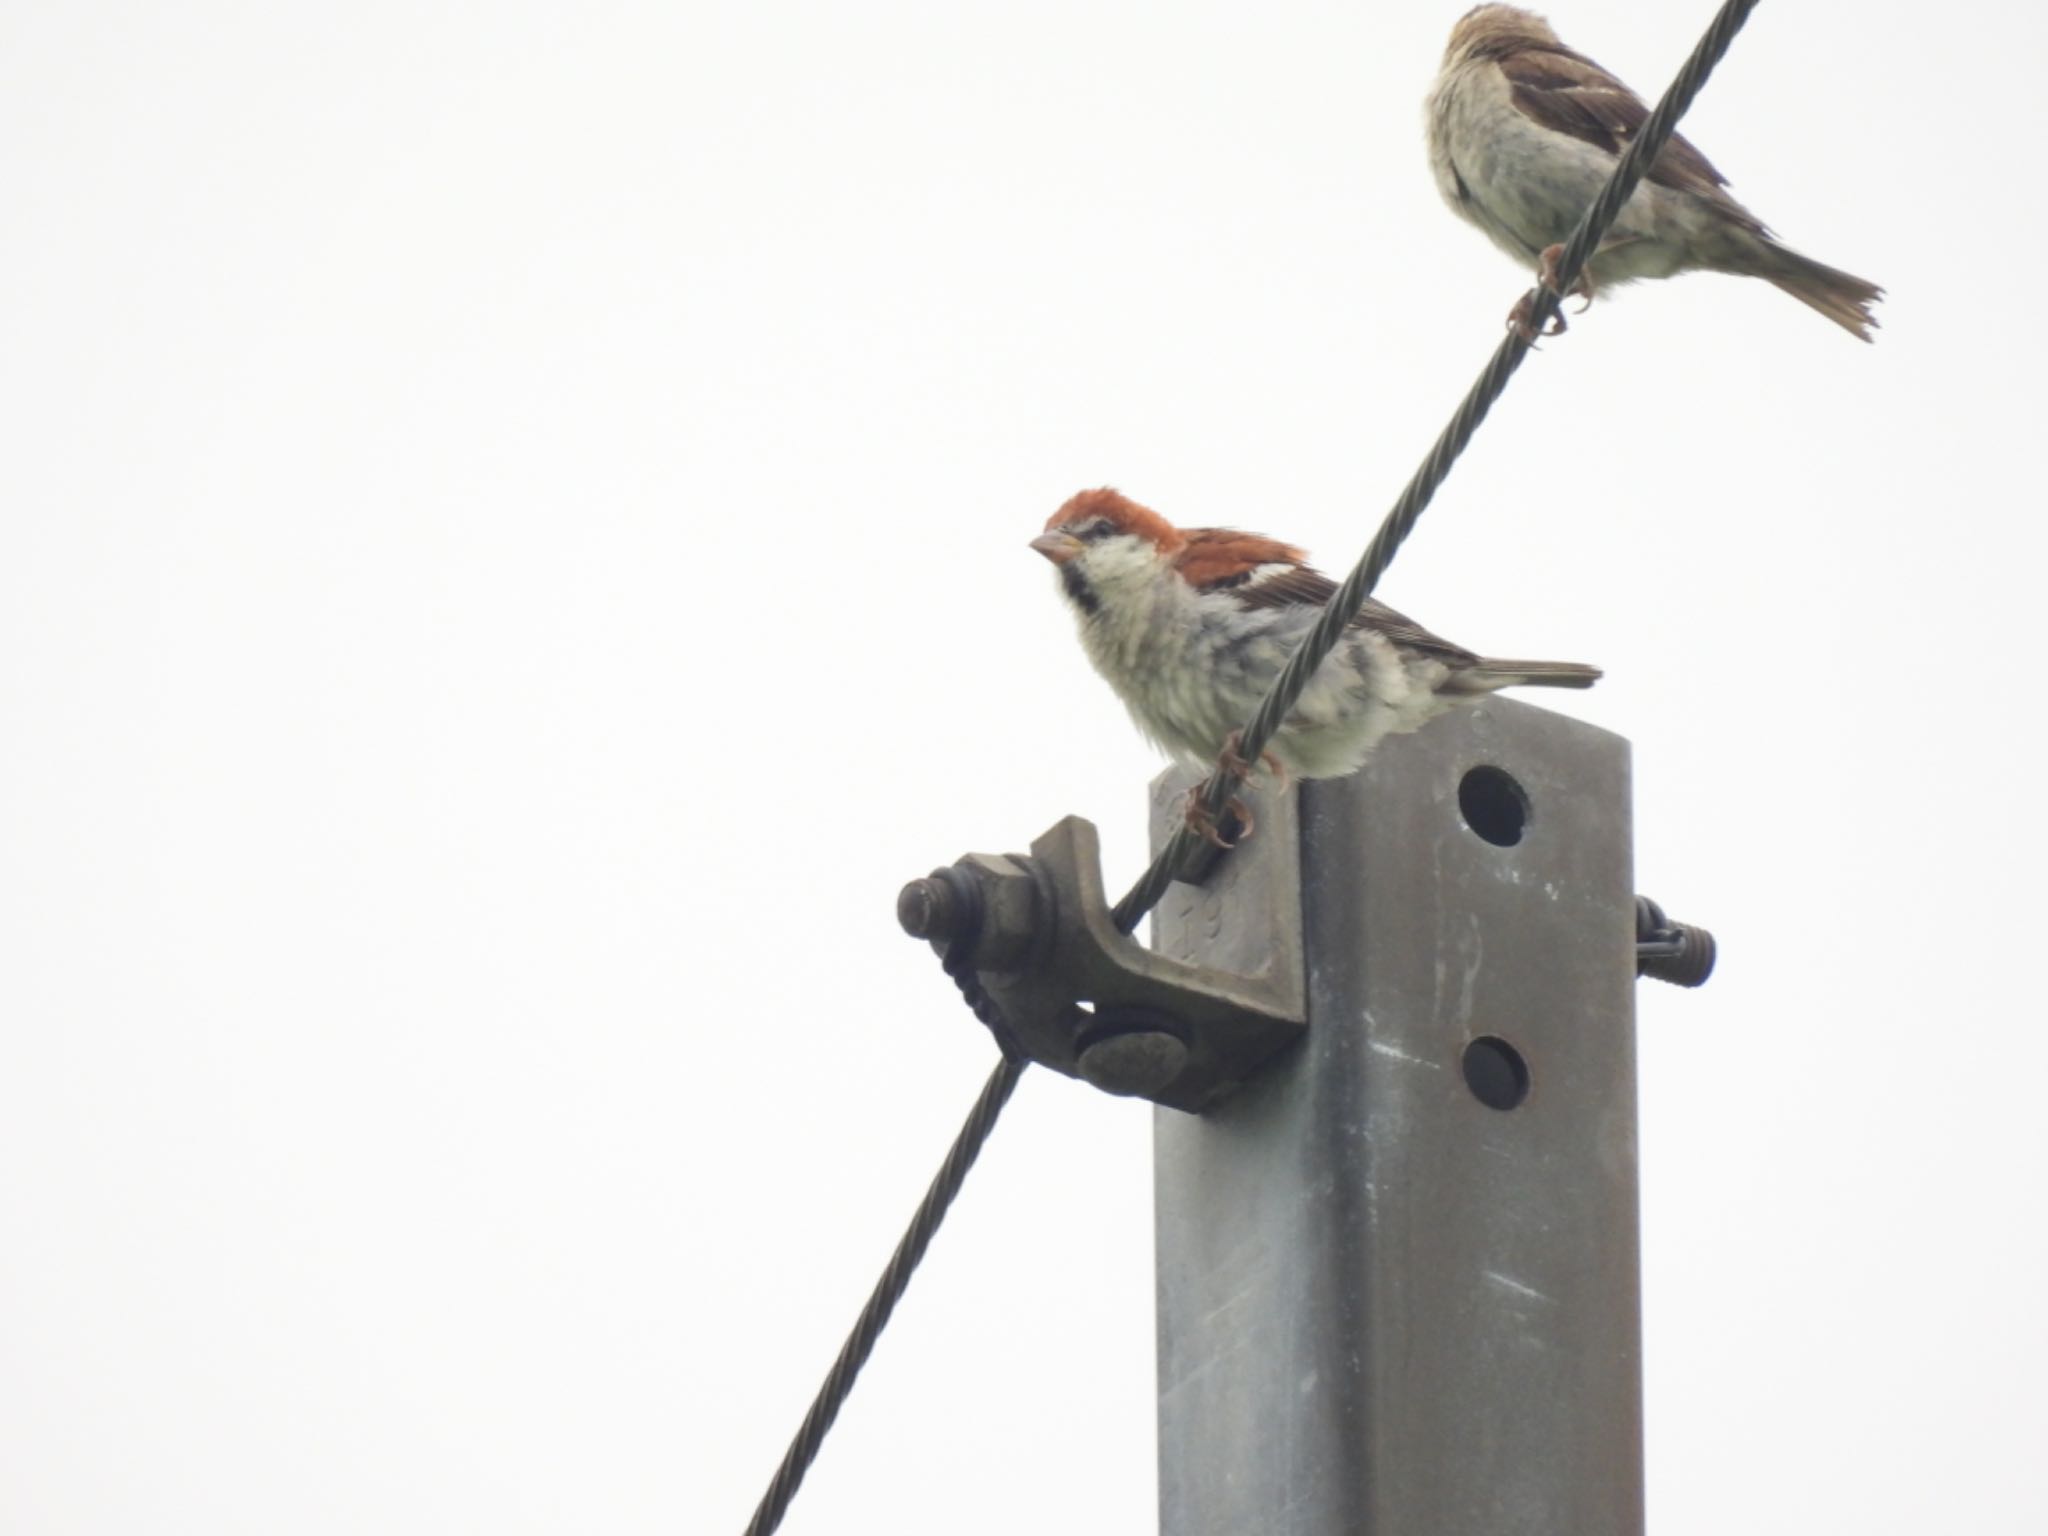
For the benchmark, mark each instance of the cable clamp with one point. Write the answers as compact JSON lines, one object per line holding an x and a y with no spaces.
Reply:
{"x":1075,"y":994}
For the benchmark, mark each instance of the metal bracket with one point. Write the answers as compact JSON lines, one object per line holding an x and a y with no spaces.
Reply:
{"x":1080,"y":997}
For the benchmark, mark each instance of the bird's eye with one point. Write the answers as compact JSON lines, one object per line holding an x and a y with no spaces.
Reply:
{"x":1090,"y":533}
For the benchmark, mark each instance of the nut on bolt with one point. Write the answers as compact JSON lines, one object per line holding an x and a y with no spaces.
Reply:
{"x":990,"y":898}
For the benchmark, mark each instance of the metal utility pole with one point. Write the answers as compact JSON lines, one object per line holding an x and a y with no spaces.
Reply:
{"x":1392,"y":1038}
{"x":1397,"y":1269}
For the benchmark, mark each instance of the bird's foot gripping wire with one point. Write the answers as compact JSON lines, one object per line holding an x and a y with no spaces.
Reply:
{"x":1522,"y":318}
{"x":1232,"y":761}
{"x":1206,"y":826}
{"x":1582,"y":285}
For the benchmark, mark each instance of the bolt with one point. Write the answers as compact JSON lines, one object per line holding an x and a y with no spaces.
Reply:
{"x":1692,"y":963}
{"x":1679,"y":953}
{"x":1135,"y":1052}
{"x":1136,"y":1065}
{"x":928,"y":908}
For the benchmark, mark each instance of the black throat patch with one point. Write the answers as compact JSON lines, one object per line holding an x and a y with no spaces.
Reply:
{"x":1078,"y":589}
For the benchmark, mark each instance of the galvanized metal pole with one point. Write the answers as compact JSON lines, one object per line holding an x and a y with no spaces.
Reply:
{"x":1398,"y":1271}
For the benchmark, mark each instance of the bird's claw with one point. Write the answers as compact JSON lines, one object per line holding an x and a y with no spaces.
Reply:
{"x":1232,"y":761}
{"x":1522,"y":321}
{"x":1522,"y":318}
{"x":1546,"y":274}
{"x":1205,"y":826}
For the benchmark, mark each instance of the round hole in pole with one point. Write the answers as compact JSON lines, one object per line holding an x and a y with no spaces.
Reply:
{"x":1496,"y":1072}
{"x":1493,"y":805}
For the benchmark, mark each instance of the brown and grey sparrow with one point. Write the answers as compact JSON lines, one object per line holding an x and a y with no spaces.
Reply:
{"x":1523,"y":133}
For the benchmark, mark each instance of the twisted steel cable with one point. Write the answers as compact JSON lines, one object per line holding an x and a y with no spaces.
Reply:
{"x":803,"y":1450}
{"x":1337,"y":614}
{"x":1345,"y":602}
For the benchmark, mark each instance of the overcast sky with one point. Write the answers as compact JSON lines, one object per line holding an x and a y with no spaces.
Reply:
{"x":514,"y":530}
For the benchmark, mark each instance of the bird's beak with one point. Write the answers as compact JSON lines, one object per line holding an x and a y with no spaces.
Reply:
{"x":1057,"y":547}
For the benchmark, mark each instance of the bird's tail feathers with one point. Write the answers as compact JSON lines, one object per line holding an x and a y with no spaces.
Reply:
{"x":1491,"y":672}
{"x":1843,"y":297}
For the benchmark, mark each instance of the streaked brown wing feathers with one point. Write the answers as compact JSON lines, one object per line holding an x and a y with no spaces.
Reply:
{"x":1306,"y":588}
{"x":1568,"y":93}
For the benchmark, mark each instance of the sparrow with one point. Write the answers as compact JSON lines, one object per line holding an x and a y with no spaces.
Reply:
{"x":1523,"y":133}
{"x":1191,"y":625}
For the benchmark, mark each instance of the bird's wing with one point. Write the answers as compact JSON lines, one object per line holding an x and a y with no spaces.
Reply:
{"x":1568,"y":93}
{"x":1300,"y":587}
{"x":1221,"y":559}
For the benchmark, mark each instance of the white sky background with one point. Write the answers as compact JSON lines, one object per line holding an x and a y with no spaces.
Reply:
{"x":514,"y":549}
